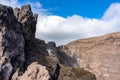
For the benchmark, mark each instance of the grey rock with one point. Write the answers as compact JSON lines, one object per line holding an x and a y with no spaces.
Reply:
{"x":52,"y":50}
{"x":28,"y":21}
{"x":11,"y":43}
{"x":38,"y":53}
{"x":35,"y":49}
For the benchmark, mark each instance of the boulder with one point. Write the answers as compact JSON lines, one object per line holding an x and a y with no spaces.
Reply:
{"x":35,"y":71}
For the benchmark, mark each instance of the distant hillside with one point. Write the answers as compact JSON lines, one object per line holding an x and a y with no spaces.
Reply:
{"x":100,"y":55}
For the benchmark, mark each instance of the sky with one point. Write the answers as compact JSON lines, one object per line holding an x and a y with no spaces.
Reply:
{"x":85,"y":8}
{"x":63,"y":21}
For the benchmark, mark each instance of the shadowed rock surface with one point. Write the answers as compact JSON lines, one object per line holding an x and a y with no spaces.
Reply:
{"x":99,"y":55}
{"x":22,"y":56}
{"x":38,"y":53}
{"x":35,"y":49}
{"x":11,"y":43}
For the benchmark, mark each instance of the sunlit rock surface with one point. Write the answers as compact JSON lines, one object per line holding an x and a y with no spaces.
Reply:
{"x":99,"y":55}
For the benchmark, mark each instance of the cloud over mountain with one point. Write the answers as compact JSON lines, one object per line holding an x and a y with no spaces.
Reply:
{"x":63,"y":30}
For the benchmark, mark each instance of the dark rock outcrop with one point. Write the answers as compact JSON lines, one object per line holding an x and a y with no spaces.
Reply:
{"x":28,"y":21}
{"x":38,"y":53}
{"x":11,"y":43}
{"x":52,"y":50}
{"x":99,"y":55}
{"x":35,"y":49}
{"x":18,"y":46}
{"x":22,"y":56}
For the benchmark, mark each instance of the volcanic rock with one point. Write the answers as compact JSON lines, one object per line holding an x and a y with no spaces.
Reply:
{"x":11,"y":43}
{"x":35,"y":49}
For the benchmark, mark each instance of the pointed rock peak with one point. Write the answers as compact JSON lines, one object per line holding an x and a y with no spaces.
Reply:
{"x":26,"y":7}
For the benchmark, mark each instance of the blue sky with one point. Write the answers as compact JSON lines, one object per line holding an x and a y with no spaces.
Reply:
{"x":65,"y":8}
{"x":64,"y":21}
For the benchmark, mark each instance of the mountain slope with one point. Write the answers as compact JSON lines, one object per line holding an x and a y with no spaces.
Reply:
{"x":99,"y":55}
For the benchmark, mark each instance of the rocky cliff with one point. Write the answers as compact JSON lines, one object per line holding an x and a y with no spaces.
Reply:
{"x":99,"y":55}
{"x":23,"y":57}
{"x":11,"y":43}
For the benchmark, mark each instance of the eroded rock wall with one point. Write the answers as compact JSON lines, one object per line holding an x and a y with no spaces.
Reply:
{"x":11,"y":43}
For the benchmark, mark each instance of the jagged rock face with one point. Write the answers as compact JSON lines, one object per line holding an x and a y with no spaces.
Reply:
{"x":38,"y":53}
{"x":11,"y":43}
{"x":18,"y":37}
{"x":65,"y":57}
{"x":28,"y":21}
{"x":100,"y":55}
{"x":35,"y":49}
{"x":52,"y":50}
{"x":66,"y":72}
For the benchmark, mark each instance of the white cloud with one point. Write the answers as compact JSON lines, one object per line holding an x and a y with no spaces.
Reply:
{"x":112,"y":12}
{"x":37,"y":4}
{"x":63,"y":30}
{"x":13,"y":3}
{"x":37,"y":8}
